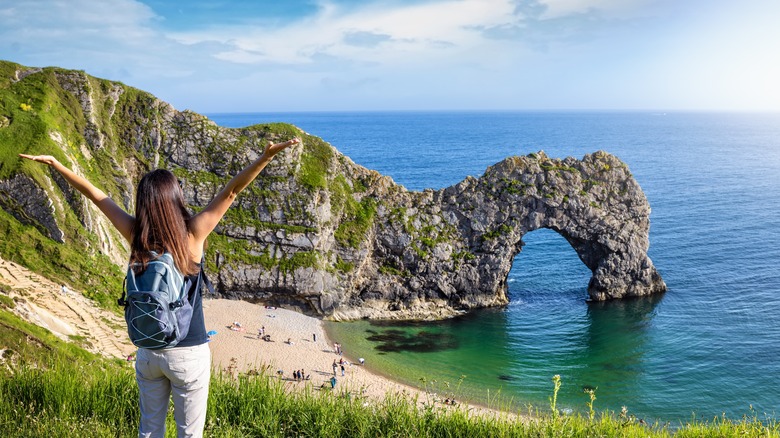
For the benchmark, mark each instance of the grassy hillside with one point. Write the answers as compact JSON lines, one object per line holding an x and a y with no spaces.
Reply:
{"x":31,"y":110}
{"x":25,"y":344}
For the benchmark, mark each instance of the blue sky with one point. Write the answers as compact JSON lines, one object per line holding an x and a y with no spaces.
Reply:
{"x":332,"y":55}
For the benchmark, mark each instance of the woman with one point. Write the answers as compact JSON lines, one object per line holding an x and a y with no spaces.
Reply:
{"x":163,"y":224}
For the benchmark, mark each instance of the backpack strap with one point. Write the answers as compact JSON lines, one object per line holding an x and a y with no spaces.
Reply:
{"x":206,"y":281}
{"x":202,"y":280}
{"x":122,"y":301}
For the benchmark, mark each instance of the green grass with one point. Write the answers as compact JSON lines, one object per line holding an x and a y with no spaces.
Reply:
{"x":360,"y":217}
{"x":315,"y":162}
{"x":25,"y":343}
{"x":391,"y":270}
{"x":95,"y":400}
{"x":497,"y":232}
{"x":343,"y":265}
{"x":49,"y":388}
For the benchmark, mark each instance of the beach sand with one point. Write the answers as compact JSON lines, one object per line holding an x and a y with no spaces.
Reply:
{"x":70,"y":315}
{"x":242,"y":351}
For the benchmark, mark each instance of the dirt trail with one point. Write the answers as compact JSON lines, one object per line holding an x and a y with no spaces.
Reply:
{"x":67,"y":314}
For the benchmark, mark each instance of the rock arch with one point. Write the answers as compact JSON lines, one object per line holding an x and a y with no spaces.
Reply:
{"x":474,"y":230}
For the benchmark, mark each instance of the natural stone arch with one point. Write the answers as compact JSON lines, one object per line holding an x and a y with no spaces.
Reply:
{"x":593,"y":203}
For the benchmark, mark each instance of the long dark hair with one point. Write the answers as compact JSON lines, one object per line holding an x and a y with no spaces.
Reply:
{"x":161,"y":221}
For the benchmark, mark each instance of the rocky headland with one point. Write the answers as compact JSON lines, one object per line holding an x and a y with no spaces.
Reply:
{"x":316,"y":232}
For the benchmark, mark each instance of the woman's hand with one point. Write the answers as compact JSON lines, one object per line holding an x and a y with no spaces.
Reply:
{"x":46,"y":159}
{"x":273,"y":149}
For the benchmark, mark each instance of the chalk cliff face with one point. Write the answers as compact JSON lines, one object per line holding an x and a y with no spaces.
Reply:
{"x":316,"y":231}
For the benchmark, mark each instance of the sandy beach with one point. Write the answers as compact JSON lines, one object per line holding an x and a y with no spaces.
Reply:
{"x":297,"y":342}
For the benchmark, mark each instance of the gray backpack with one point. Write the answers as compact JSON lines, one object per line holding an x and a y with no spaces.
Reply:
{"x":157,"y":309}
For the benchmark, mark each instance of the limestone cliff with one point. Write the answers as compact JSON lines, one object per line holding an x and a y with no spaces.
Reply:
{"x":315,"y":231}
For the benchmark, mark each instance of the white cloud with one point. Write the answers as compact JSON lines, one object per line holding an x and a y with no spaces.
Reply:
{"x":609,"y":8}
{"x":117,"y":39}
{"x":119,"y":20}
{"x":409,"y":33}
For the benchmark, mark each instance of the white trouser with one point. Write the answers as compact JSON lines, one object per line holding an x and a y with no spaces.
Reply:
{"x":182,"y":371}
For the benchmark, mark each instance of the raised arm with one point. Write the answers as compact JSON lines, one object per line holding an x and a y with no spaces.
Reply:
{"x":203,"y":223}
{"x":122,"y":221}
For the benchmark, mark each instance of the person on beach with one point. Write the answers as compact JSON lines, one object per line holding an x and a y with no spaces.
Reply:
{"x":162,"y":224}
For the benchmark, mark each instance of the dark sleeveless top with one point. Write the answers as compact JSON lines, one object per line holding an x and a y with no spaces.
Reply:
{"x":197,"y":334}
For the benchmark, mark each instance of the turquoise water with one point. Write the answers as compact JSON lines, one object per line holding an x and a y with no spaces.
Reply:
{"x":710,"y":345}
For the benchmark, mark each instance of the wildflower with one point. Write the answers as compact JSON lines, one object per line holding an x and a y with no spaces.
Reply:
{"x":553,"y":400}
{"x":592,"y":393}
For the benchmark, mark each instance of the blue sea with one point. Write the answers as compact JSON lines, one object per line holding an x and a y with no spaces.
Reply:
{"x":707,"y":347}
